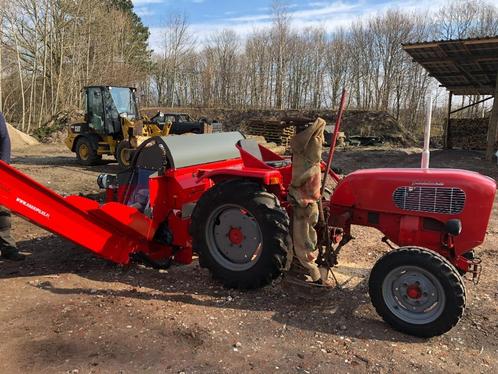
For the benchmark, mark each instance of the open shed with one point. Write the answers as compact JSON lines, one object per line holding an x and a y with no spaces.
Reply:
{"x":463,"y":67}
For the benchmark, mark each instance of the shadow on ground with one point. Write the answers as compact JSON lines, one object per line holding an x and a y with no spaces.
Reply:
{"x":345,"y":312}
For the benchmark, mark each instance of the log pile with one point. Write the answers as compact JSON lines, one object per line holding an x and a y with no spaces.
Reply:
{"x":274,"y":131}
{"x":469,"y":133}
{"x":356,"y":122}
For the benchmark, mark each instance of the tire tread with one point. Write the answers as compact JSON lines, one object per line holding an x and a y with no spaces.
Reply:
{"x":447,"y":320}
{"x":266,"y":206}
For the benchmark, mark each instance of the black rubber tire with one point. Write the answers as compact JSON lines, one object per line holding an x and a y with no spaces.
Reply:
{"x":273,"y":222}
{"x":439,"y":267}
{"x":90,"y":158}
{"x":123,"y":144}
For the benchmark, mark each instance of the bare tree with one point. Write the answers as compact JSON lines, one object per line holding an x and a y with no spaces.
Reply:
{"x":177,"y":44}
{"x":280,"y":38}
{"x":50,"y":49}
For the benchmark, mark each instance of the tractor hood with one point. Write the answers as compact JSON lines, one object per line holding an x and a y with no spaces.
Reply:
{"x":435,"y":194}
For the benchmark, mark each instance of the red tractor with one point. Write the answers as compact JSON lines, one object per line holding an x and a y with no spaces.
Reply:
{"x":225,"y":198}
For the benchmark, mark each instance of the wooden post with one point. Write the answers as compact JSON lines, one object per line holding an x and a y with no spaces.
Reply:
{"x":492,"y":127}
{"x":447,"y":136}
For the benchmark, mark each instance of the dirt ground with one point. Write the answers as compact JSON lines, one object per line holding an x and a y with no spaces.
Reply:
{"x":65,"y":310}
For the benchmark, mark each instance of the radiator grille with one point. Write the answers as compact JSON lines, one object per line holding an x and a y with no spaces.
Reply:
{"x":444,"y":200}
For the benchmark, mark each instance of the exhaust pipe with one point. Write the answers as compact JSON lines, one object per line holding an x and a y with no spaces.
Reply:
{"x":426,"y":153}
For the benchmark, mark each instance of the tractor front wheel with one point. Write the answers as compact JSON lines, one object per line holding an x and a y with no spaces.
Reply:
{"x":123,"y":153}
{"x":417,"y":291}
{"x":240,"y":232}
{"x":86,"y":152}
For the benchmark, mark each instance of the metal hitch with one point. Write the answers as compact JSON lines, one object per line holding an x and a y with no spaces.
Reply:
{"x":476,"y":266}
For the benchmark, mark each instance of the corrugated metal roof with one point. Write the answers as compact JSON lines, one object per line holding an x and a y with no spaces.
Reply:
{"x":463,"y":66}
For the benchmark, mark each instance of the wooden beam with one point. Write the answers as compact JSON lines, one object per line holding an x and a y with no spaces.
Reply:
{"x":474,"y":59}
{"x":489,"y":87}
{"x":493,"y":127}
{"x":481,"y":41}
{"x":486,"y":40}
{"x":459,"y":74}
{"x":471,"y":105}
{"x":470,"y":90}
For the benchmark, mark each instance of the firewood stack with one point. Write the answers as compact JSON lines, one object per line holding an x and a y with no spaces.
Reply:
{"x":274,"y":131}
{"x":469,"y":133}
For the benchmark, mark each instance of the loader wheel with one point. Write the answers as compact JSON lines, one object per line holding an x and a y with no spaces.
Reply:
{"x":240,"y":232}
{"x":86,"y":152}
{"x":122,"y":154}
{"x":417,"y":291}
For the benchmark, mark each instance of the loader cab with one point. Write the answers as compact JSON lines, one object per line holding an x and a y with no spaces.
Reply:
{"x":105,"y":106}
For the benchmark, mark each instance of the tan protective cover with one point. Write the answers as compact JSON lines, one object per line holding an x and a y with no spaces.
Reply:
{"x":304,"y":193}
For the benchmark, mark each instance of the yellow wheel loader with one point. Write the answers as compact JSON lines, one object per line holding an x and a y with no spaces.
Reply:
{"x":112,"y":126}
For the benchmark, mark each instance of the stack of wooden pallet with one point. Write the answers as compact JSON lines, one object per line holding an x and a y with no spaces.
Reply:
{"x":469,"y":133}
{"x":274,"y":131}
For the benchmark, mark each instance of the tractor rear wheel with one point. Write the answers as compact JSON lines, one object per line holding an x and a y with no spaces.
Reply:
{"x":123,"y":153}
{"x":86,"y":152}
{"x":240,"y":232}
{"x":417,"y":291}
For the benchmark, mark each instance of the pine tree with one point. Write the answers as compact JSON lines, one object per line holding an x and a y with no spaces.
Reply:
{"x":140,"y":41}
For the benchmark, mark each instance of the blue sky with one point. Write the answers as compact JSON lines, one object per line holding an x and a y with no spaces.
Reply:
{"x":244,"y":16}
